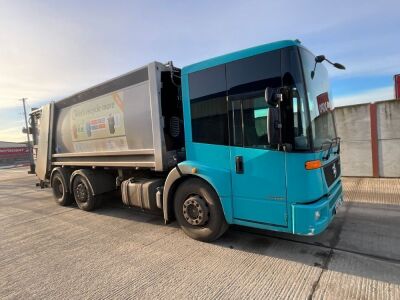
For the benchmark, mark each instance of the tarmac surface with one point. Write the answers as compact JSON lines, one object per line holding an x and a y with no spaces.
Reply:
{"x":49,"y":251}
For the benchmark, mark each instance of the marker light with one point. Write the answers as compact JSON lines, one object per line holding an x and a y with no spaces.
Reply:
{"x":317,"y":215}
{"x":313,"y":164}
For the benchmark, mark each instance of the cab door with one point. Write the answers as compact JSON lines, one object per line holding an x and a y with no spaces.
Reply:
{"x":258,"y":171}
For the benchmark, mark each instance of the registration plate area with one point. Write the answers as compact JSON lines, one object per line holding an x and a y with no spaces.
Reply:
{"x":339,"y":203}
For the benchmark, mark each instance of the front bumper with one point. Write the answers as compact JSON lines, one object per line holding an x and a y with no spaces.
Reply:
{"x":304,"y":219}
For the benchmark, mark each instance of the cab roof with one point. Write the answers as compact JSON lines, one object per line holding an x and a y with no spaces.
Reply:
{"x":212,"y":62}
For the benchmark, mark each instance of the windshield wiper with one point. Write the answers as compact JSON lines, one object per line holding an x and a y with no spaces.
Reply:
{"x":334,"y":140}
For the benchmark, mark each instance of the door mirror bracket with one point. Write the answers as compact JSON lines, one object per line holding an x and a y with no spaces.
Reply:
{"x":272,"y":98}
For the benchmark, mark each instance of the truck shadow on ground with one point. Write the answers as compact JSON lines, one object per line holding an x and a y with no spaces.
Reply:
{"x":352,"y":244}
{"x":363,"y":239}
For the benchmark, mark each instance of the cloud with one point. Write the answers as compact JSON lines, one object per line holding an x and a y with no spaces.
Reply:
{"x":372,"y":95}
{"x":371,"y":64}
{"x":12,"y":134}
{"x":46,"y":54}
{"x":51,"y":49}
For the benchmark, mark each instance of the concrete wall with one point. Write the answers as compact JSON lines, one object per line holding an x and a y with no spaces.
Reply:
{"x":388,"y":117}
{"x":354,"y":127}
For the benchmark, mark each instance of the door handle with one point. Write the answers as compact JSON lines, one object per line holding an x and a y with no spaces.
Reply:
{"x":239,"y":164}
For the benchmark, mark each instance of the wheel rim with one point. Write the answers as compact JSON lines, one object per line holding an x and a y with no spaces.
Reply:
{"x":195,"y":210}
{"x":58,"y":188}
{"x":81,"y":193}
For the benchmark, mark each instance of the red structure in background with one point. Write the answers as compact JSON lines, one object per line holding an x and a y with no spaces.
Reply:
{"x":323,"y":103}
{"x":14,"y":154}
{"x":374,"y":139}
{"x":397,"y":86}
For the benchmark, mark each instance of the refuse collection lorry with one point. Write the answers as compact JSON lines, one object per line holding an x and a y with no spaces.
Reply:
{"x":246,"y":138}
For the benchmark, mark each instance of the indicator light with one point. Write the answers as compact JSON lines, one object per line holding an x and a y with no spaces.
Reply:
{"x":313,"y":164}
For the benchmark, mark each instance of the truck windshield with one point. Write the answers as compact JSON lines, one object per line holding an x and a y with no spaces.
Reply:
{"x":318,"y":95}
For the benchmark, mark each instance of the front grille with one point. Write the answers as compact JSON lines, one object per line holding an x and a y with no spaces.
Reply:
{"x":332,"y":171}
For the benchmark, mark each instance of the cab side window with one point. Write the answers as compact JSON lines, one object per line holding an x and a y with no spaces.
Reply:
{"x":250,"y":119}
{"x":249,"y":122}
{"x":208,"y":106}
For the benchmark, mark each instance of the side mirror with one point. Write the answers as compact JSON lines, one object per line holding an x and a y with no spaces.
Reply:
{"x":272,"y":97}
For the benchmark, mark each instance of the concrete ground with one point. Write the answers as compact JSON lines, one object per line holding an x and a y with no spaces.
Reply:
{"x":48,"y":251}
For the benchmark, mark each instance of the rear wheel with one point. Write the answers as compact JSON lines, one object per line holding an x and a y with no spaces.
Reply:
{"x":83,"y":194}
{"x":60,"y":190}
{"x":198,"y":211}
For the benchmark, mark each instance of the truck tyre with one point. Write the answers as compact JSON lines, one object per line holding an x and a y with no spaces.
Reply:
{"x":83,"y":194}
{"x":61,"y":193}
{"x":198,"y":210}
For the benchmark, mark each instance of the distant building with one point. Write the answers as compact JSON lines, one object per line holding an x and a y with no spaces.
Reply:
{"x":13,"y":153}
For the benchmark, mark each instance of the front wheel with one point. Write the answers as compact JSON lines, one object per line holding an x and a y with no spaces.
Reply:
{"x":198,"y":210}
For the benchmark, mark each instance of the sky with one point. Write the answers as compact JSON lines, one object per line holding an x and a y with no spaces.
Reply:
{"x":52,"y":49}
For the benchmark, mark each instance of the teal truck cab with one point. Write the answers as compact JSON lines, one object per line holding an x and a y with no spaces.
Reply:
{"x":247,"y":138}
{"x":259,"y":129}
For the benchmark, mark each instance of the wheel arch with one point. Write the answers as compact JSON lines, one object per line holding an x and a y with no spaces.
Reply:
{"x":219,"y":180}
{"x":65,"y":174}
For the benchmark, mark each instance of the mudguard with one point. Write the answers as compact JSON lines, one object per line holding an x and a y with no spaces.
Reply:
{"x":99,"y":182}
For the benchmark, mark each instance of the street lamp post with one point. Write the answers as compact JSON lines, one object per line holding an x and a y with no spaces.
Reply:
{"x":32,"y":165}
